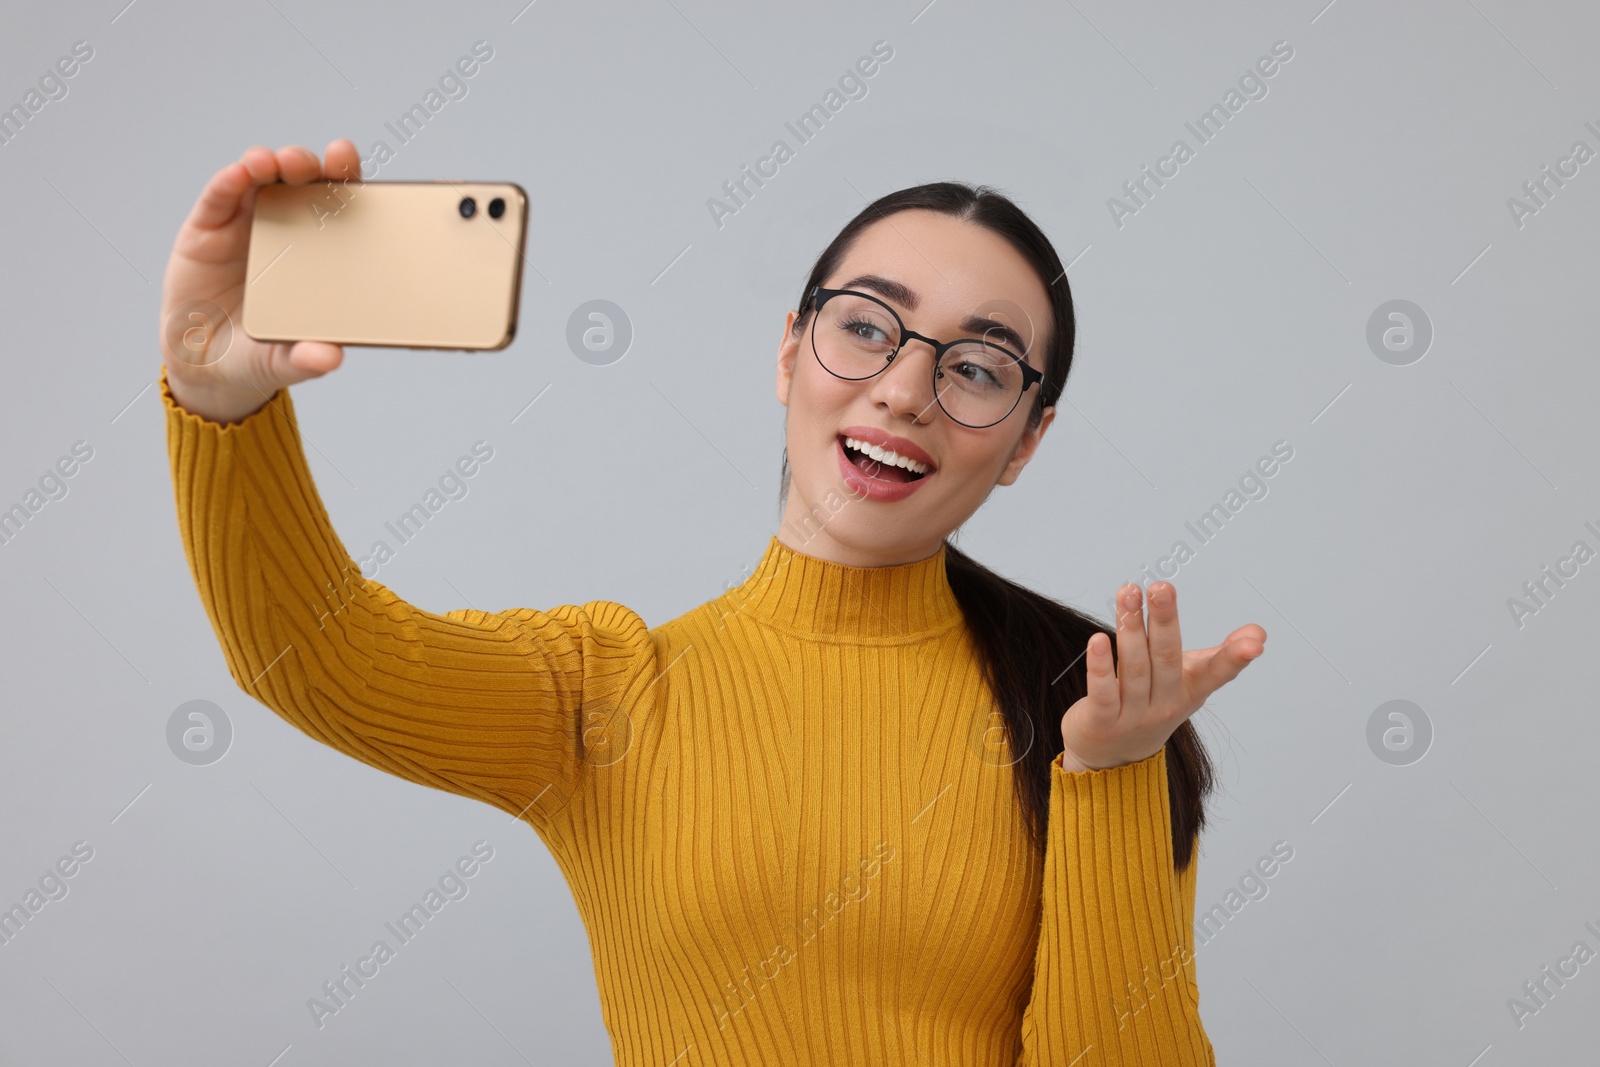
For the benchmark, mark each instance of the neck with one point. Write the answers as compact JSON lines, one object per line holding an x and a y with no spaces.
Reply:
{"x":807,"y":530}
{"x":805,"y":594}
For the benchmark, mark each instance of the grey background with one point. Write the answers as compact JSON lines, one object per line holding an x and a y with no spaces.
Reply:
{"x":1229,"y":313}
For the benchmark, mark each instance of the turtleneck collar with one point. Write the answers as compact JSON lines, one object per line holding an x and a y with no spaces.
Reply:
{"x":816,"y":597}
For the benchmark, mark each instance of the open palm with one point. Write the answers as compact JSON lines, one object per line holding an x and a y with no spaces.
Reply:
{"x":1133,"y":707}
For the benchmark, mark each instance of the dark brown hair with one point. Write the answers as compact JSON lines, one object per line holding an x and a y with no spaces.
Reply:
{"x":1032,"y":648}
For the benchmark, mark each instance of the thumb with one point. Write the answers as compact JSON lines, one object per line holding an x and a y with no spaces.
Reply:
{"x":311,"y":359}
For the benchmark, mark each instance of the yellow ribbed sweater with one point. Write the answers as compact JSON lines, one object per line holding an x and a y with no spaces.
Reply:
{"x":775,"y":812}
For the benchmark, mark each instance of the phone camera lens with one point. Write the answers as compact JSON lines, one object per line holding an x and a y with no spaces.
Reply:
{"x":497,"y":207}
{"x":468,"y":207}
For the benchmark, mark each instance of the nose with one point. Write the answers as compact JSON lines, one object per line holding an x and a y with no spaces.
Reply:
{"x":905,"y":387}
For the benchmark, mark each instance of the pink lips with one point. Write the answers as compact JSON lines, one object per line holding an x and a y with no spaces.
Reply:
{"x":871,"y":488}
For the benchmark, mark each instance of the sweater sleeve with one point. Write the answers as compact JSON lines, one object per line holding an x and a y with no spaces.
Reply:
{"x":495,"y":706}
{"x":1114,"y":977}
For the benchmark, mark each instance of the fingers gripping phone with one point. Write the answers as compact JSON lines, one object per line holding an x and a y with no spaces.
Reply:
{"x":426,"y":264}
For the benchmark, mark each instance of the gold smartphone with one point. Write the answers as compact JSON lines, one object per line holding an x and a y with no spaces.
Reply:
{"x":426,"y":264}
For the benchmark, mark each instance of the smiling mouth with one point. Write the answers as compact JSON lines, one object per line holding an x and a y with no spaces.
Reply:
{"x":873,"y":468}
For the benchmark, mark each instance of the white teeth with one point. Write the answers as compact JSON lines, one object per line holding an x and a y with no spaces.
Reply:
{"x":883,"y":455}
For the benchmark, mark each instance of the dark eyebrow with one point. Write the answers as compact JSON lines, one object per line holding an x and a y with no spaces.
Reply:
{"x":977,"y":326}
{"x":896,"y":291}
{"x":984,"y":329}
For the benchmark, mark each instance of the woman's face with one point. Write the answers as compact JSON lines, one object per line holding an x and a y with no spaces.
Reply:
{"x":950,"y":271}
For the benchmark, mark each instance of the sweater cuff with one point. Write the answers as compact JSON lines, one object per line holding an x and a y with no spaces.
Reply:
{"x":1148,"y":761}
{"x":1129,"y":801}
{"x":182,"y":419}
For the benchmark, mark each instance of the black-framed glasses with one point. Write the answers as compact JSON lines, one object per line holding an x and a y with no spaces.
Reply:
{"x":855,"y":336}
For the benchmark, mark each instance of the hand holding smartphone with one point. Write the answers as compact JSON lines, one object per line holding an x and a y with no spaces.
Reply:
{"x":410,"y":257}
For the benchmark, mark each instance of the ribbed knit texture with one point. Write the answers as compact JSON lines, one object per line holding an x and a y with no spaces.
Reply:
{"x":777,"y":814}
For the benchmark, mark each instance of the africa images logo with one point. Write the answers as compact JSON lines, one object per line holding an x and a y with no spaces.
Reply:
{"x":852,"y":85}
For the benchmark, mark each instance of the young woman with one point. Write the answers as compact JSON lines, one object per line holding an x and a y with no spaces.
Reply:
{"x":876,"y":804}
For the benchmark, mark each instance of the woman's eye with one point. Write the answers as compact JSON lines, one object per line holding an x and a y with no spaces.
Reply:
{"x":977,"y":370}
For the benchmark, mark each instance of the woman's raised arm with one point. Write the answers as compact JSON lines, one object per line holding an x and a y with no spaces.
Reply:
{"x":494,"y":706}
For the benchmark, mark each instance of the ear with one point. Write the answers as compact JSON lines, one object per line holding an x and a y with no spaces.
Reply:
{"x":1026,"y":447}
{"x":788,"y":348}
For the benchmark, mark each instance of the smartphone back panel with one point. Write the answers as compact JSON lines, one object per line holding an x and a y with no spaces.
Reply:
{"x":386,"y":263}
